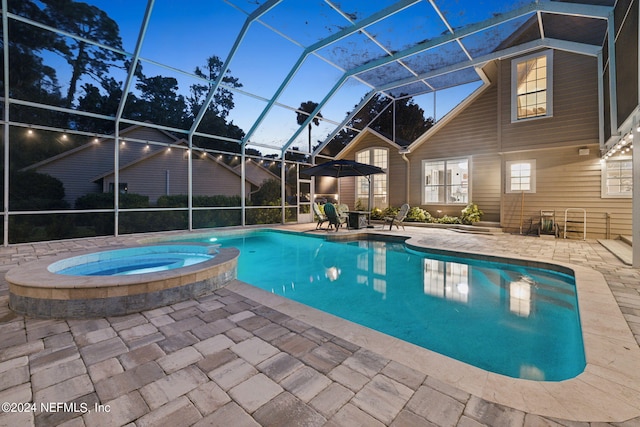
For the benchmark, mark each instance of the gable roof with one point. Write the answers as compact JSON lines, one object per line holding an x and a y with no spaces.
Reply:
{"x":453,"y":113}
{"x":366,"y":131}
{"x":182,"y":142}
{"x":123,"y":134}
{"x":255,"y":169}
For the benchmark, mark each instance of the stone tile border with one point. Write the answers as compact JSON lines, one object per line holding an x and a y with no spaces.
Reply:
{"x":132,"y":360}
{"x":35,"y":291}
{"x":608,"y":390}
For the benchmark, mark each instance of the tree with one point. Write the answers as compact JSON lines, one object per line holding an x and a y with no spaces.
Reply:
{"x":91,"y":23}
{"x":30,"y":78}
{"x":410,"y":122}
{"x":214,"y":120}
{"x":378,"y":114}
{"x":102,"y":102}
{"x":305,"y":110}
{"x":159,"y":102}
{"x":222,"y":102}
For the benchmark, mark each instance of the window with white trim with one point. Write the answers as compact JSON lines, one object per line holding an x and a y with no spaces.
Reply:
{"x":520,"y":176}
{"x":377,"y":157}
{"x":446,"y":181}
{"x":617,"y":177}
{"x":532,"y":86}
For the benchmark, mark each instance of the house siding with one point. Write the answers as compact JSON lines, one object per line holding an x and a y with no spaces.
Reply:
{"x":72,"y":168}
{"x":396,"y":171}
{"x":575,"y":107}
{"x":150,"y":177}
{"x":473,"y":134}
{"x":482,"y":131}
{"x":565,"y":179}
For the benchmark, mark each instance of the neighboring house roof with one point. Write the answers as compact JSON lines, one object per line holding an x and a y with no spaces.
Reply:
{"x":209,"y":157}
{"x":255,"y":171}
{"x":123,"y":134}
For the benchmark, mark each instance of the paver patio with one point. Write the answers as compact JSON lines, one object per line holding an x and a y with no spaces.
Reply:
{"x":226,"y":359}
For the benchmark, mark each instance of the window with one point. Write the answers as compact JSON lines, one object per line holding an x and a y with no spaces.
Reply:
{"x":123,"y":186}
{"x":617,"y":177}
{"x":521,"y":176}
{"x":446,"y":181}
{"x":532,"y":87}
{"x":377,"y":157}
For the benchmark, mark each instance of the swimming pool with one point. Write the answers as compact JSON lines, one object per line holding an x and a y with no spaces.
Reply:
{"x":505,"y":318}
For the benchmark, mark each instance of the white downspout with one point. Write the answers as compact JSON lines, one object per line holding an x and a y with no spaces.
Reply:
{"x":404,"y":153}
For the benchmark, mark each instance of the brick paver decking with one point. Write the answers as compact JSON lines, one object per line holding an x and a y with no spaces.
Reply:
{"x":226,"y":360}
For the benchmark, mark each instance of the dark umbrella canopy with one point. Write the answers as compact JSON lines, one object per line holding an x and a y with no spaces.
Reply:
{"x":340,"y":168}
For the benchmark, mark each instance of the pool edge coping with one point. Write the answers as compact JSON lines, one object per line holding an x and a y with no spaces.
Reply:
{"x":608,"y":390}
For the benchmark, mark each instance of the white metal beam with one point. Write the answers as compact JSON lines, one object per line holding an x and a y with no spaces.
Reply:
{"x":5,"y":128}
{"x":376,"y":17}
{"x":613,"y":94}
{"x":225,"y":67}
{"x":580,"y":48}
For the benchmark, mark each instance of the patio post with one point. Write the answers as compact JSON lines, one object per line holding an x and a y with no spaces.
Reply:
{"x":5,"y":55}
{"x":635,"y":201}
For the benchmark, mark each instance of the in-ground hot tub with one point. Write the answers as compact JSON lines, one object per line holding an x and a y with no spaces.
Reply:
{"x":120,"y":281}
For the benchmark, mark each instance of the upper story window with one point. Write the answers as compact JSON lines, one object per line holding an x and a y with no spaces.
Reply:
{"x":446,"y":181}
{"x":617,"y":177}
{"x":521,"y":176}
{"x":532,"y":86}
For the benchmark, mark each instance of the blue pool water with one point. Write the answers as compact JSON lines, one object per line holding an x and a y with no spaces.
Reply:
{"x":139,"y":260}
{"x":512,"y":320}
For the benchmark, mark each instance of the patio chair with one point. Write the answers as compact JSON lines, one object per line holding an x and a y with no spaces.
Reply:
{"x":333,"y":217}
{"x":322,"y":218}
{"x":398,"y":219}
{"x":343,"y":210}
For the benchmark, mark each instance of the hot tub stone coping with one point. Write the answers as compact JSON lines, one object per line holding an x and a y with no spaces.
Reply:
{"x":35,"y":274}
{"x":35,"y":291}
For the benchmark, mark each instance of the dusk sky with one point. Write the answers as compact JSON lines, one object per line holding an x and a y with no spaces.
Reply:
{"x":183,"y":34}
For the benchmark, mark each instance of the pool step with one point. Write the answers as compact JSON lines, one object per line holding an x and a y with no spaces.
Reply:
{"x":460,"y":228}
{"x":474,"y":229}
{"x":621,"y":248}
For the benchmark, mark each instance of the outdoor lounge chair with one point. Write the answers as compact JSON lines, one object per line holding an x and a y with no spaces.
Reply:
{"x":343,"y":210}
{"x":333,"y":217}
{"x":322,"y":218}
{"x":398,"y":219}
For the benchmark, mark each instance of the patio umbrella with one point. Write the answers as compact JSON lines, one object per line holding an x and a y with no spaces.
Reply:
{"x":341,"y":168}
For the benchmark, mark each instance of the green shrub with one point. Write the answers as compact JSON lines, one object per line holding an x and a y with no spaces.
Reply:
{"x":377,"y":213}
{"x":390,"y":212}
{"x":31,"y":186}
{"x":417,"y":214}
{"x":360,"y":205}
{"x":106,"y":201}
{"x":471,"y":214}
{"x":446,"y":219}
{"x":181,"y":201}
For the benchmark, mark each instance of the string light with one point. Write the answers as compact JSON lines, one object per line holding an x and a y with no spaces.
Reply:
{"x":624,"y":145}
